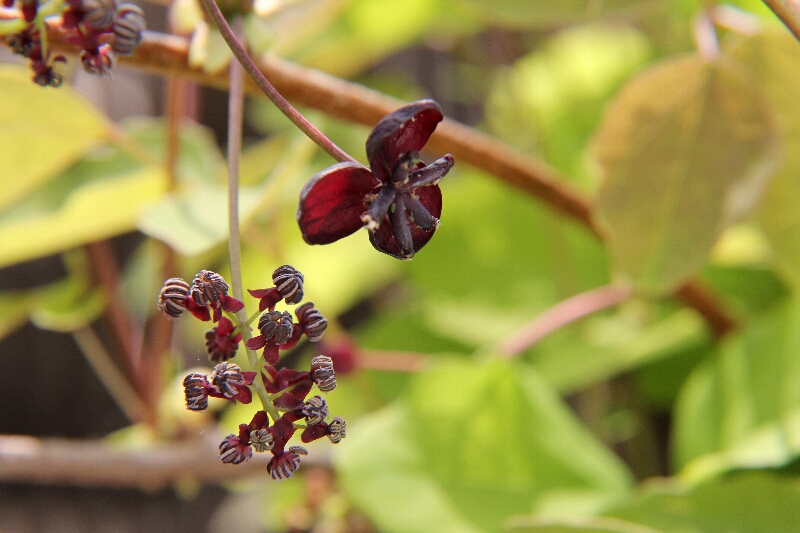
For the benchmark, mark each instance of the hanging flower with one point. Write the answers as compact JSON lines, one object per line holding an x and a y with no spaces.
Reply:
{"x":398,"y":199}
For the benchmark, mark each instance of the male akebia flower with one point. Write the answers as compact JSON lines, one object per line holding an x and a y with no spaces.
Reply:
{"x":221,"y":344}
{"x":288,"y":286}
{"x":397,"y":199}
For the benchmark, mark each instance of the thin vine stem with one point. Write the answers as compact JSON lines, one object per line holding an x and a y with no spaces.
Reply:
{"x":561,"y":314}
{"x":235,"y":121}
{"x":271,"y":92}
{"x":789,"y":13}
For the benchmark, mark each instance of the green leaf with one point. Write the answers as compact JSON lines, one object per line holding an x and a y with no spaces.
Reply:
{"x":773,"y":60}
{"x":684,"y":150}
{"x":599,"y":524}
{"x":89,"y":212}
{"x":543,"y":13}
{"x":742,"y":408}
{"x":195,"y":221}
{"x":602,"y":347}
{"x":552,"y":99}
{"x":470,"y":445}
{"x":748,"y":502}
{"x":42,"y":131}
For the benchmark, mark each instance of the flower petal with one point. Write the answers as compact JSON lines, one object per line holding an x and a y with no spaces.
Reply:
{"x":332,"y":202}
{"x":405,"y":130}
{"x":383,"y":239}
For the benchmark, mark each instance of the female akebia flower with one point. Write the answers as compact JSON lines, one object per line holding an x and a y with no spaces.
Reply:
{"x":397,"y":199}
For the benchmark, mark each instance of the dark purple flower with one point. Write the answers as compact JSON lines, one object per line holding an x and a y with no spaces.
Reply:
{"x":231,"y":383}
{"x":397,"y":199}
{"x":284,"y":466}
{"x":220,"y":344}
{"x":236,"y":449}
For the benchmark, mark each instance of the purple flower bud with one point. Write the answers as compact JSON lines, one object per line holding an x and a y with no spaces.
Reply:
{"x":312,"y":321}
{"x":315,"y":410}
{"x":337,"y":429}
{"x":322,"y":373}
{"x":172,"y":300}
{"x":284,"y":466}
{"x":289,"y":283}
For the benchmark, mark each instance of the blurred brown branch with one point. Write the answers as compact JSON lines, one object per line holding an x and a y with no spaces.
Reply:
{"x":168,"y":55}
{"x":789,"y":13}
{"x":94,"y":463}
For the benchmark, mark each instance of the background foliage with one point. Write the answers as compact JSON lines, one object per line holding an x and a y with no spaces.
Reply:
{"x":636,"y":419}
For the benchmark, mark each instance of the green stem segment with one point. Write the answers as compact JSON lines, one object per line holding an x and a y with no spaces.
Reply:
{"x":280,"y":102}
{"x":235,"y":119}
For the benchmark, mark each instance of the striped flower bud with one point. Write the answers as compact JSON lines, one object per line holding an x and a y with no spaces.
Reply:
{"x":261,"y":440}
{"x":208,"y":287}
{"x":128,"y":27}
{"x":337,"y":429}
{"x":172,"y":300}
{"x":315,"y":410}
{"x":227,"y":378}
{"x":289,"y":283}
{"x":233,"y":451}
{"x":276,"y":326}
{"x":322,"y":373}
{"x":194,"y":386}
{"x":285,"y":465}
{"x":312,"y":321}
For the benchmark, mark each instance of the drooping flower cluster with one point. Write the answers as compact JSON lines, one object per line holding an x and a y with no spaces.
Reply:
{"x":102,"y":29}
{"x":291,"y":409}
{"x":397,"y":199}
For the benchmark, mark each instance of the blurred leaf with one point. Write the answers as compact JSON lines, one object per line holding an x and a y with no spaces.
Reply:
{"x":773,"y":58}
{"x":199,"y":157}
{"x":602,"y":347}
{"x":14,"y":309}
{"x":552,"y":99}
{"x":208,"y":50}
{"x":89,"y":212}
{"x":440,"y":460}
{"x":71,"y":308}
{"x":749,"y":502}
{"x":742,"y":408}
{"x":42,"y":131}
{"x":547,"y":13}
{"x":599,"y":524}
{"x":365,"y":32}
{"x":196,"y":221}
{"x":685,"y":150}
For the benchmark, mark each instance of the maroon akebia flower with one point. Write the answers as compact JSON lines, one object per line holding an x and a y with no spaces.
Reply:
{"x":288,"y":286}
{"x":221,"y":345}
{"x":397,"y":199}
{"x":206,"y":298}
{"x":227,"y":382}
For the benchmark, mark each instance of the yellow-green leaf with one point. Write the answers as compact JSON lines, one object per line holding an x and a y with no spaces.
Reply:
{"x":684,"y":150}
{"x":94,"y":211}
{"x":773,"y":59}
{"x":42,"y":131}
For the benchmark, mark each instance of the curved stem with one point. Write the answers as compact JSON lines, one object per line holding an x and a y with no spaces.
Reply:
{"x":280,"y":102}
{"x":235,"y":120}
{"x":561,"y":314}
{"x":789,"y":13}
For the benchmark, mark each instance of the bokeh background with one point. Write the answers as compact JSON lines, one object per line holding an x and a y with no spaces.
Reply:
{"x":675,"y":120}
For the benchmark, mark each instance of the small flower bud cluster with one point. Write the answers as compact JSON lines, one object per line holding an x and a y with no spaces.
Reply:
{"x":227,"y":381}
{"x":28,"y":44}
{"x":207,"y":298}
{"x":101,"y":28}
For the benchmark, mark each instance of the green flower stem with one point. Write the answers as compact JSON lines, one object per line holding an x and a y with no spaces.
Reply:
{"x":17,"y":23}
{"x":280,"y":102}
{"x":235,"y":120}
